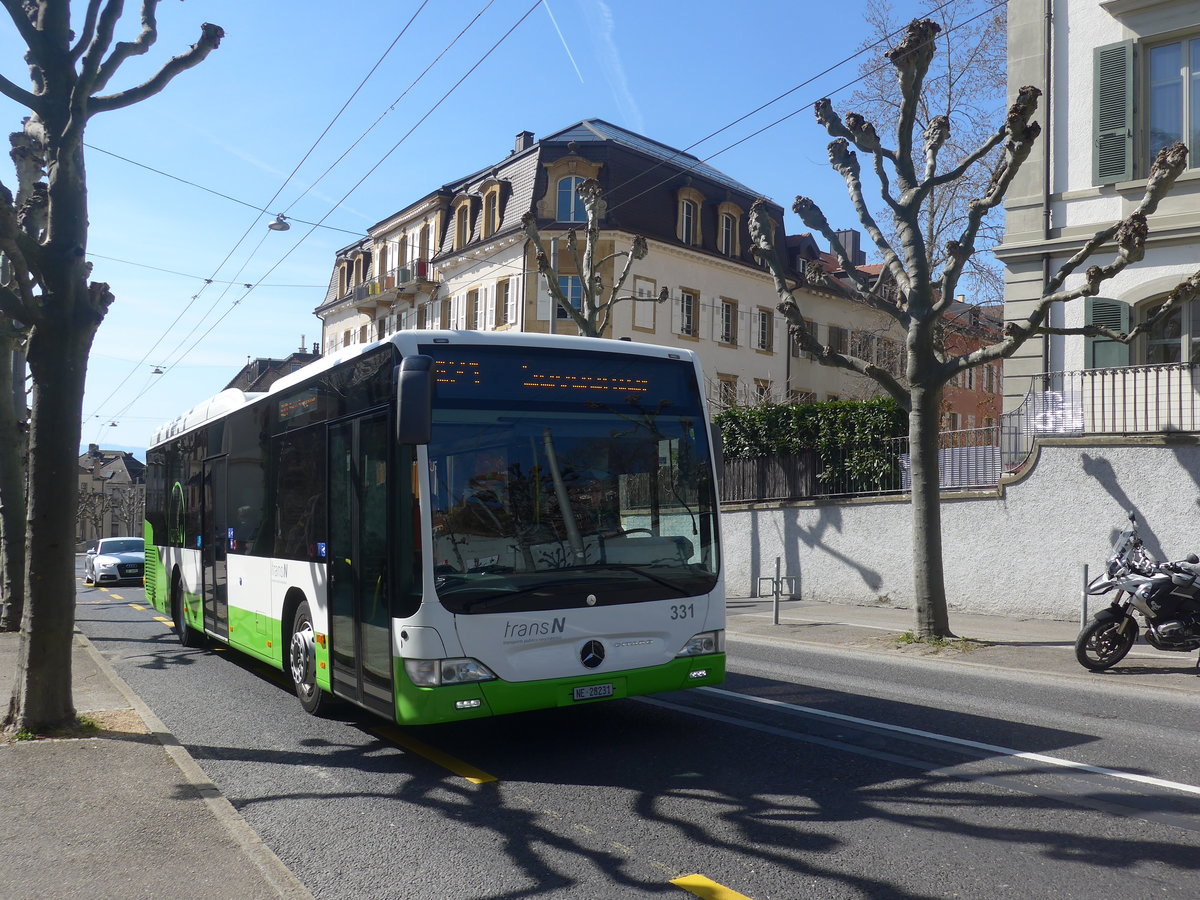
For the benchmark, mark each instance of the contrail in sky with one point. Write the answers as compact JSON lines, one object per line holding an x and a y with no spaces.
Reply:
{"x":570,"y":56}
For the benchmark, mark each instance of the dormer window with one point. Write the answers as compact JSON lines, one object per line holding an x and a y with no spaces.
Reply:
{"x":687,"y":222}
{"x":570,"y":204}
{"x":489,"y":214}
{"x":688,"y":228}
{"x":462,"y":227}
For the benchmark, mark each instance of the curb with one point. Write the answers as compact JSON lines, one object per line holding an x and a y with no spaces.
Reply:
{"x":277,"y":875}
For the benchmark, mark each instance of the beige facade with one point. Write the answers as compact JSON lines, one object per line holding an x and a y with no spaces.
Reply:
{"x":459,"y":259}
{"x":1119,"y":79}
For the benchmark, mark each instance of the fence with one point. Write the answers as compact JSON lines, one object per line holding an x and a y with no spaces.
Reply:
{"x":1126,"y":400}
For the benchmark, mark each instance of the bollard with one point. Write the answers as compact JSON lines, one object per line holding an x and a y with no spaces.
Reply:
{"x":1083,"y":615}
{"x":778,"y":587}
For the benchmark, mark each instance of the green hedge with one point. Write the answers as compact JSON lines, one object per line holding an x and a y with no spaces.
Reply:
{"x":848,"y":436}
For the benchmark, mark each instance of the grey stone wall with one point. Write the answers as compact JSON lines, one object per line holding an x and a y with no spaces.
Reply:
{"x":1019,"y":551}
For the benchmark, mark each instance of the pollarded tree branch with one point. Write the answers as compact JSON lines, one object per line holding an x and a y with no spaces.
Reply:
{"x":102,"y":36}
{"x":1167,"y":166}
{"x":760,"y":236}
{"x":911,"y":58}
{"x":125,"y":49}
{"x":210,"y":39}
{"x":1022,"y":133}
{"x":855,"y":129}
{"x":87,"y":31}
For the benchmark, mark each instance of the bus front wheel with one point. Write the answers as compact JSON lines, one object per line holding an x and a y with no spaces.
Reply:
{"x":188,"y":636}
{"x":302,"y":661}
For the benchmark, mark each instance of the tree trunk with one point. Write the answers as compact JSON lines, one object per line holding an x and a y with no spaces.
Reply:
{"x":928,"y":581}
{"x":12,"y":489}
{"x":58,"y":355}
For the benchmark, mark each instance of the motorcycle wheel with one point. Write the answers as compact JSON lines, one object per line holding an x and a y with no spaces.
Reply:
{"x":1102,"y":644}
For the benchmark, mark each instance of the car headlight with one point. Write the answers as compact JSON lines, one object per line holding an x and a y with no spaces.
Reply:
{"x":435,"y":672}
{"x":704,"y":643}
{"x":106,"y":564}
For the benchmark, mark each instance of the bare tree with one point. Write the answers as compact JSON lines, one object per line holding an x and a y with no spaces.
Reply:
{"x":13,"y":421}
{"x":129,"y":508}
{"x":966,"y":81}
{"x":92,"y":512}
{"x":594,"y":313}
{"x":918,"y":283}
{"x":43,"y":234}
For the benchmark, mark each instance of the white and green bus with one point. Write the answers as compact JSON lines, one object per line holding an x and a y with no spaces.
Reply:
{"x":446,"y":525}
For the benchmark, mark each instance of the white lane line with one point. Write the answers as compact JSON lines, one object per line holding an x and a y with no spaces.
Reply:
{"x":962,"y":742}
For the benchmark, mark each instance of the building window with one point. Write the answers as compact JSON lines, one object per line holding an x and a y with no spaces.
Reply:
{"x":689,"y":306}
{"x":765,"y":326}
{"x":839,"y":339}
{"x":570,"y":204}
{"x":728,"y":234}
{"x":461,"y":227}
{"x":687,"y":222}
{"x":1148,"y":104}
{"x":729,"y":317}
{"x":502,"y":316}
{"x":762,"y":391}
{"x":475,"y":311}
{"x":1173,"y":95}
{"x":727,"y":389}
{"x":489,"y":214}
{"x":572,"y":288}
{"x":1174,"y":338}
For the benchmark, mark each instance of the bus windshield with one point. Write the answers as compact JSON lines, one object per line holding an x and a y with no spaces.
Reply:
{"x":561,"y":483}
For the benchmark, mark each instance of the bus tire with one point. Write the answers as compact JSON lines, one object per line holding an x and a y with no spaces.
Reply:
{"x":302,"y":662}
{"x":188,"y":636}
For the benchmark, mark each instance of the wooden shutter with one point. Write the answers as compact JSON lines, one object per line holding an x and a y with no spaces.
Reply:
{"x":1112,"y":138}
{"x":1101,"y":353}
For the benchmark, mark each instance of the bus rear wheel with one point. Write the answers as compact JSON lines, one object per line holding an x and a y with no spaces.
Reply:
{"x":302,"y":662}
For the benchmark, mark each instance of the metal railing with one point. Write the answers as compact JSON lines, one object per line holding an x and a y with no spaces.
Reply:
{"x":415,"y":271}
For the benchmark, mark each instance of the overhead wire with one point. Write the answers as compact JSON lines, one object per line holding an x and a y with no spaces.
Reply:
{"x":352,"y":189}
{"x":291,"y":175}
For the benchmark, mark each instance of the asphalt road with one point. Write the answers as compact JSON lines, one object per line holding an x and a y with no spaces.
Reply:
{"x":810,"y":774}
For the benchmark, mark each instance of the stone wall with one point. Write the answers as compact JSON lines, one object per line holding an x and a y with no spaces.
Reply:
{"x":1018,"y":551}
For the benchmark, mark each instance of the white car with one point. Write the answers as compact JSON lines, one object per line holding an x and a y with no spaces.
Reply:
{"x":115,"y":559}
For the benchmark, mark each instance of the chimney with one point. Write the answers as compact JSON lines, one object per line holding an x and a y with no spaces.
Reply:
{"x":524,"y":141}
{"x":301,"y":350}
{"x":93,"y":450}
{"x":851,"y":242}
{"x":316,"y":350}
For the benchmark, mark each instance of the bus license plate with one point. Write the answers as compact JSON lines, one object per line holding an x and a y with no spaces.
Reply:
{"x":592,"y":692}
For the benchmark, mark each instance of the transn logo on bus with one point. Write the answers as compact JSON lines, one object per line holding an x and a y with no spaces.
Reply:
{"x":534,"y":629}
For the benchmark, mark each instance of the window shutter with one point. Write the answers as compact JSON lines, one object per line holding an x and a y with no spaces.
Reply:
{"x":1112,"y":140}
{"x":544,"y":300}
{"x":1101,"y":353}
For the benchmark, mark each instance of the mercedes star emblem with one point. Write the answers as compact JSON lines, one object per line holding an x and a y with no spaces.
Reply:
{"x":592,"y":654}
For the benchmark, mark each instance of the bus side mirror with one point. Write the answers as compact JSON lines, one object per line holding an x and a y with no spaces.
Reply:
{"x":414,"y":400}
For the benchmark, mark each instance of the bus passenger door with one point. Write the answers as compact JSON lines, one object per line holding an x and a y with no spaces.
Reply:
{"x":213,"y":550}
{"x":359,"y":607}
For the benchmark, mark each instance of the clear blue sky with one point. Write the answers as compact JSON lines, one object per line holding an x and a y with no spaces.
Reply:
{"x":674,"y":70}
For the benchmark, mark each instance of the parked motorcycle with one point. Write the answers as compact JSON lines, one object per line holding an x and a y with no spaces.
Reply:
{"x":1166,"y":594}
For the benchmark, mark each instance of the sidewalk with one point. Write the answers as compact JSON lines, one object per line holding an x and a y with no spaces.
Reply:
{"x":125,"y":814}
{"x":1027,"y":645}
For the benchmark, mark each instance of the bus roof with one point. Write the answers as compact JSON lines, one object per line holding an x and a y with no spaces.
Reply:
{"x":407,"y":341}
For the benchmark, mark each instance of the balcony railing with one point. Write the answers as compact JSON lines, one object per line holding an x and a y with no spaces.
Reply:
{"x":402,"y":279}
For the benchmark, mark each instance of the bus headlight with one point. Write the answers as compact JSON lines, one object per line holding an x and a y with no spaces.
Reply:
{"x":435,"y":672}
{"x":704,"y":643}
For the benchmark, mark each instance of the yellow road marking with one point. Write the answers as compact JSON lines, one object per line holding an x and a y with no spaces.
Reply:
{"x":135,"y":606}
{"x":445,"y":760}
{"x":164,"y":621}
{"x":707,"y":889}
{"x":119,"y":597}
